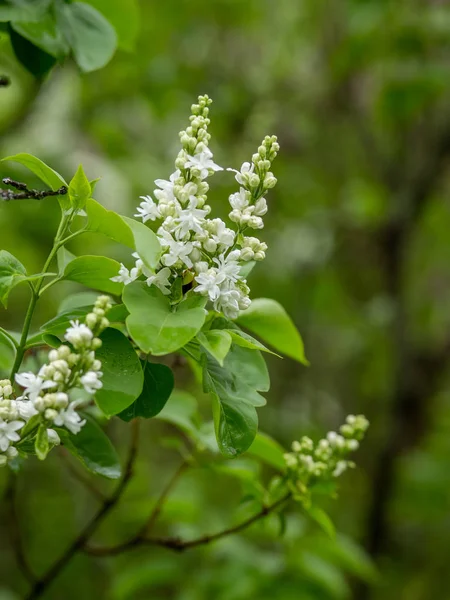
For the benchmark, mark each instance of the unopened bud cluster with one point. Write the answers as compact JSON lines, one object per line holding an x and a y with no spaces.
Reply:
{"x":310,"y":462}
{"x":196,"y":248}
{"x":46,"y":395}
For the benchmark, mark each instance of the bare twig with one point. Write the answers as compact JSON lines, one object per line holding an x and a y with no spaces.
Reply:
{"x":179,"y":545}
{"x":14,"y":529}
{"x":26,"y":194}
{"x":41,"y":585}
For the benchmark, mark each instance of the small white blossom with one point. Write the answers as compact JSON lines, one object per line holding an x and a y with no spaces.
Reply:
{"x":161,"y":280}
{"x":91,"y":381}
{"x":208,"y":284}
{"x":70,"y":419}
{"x":33,"y":384}
{"x":78,"y":334}
{"x":8,"y":433}
{"x":148,"y":210}
{"x":203,"y":162}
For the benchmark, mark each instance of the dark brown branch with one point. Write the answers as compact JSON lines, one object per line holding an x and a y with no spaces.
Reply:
{"x":83,"y":479}
{"x":41,"y":585}
{"x":26,"y":194}
{"x":179,"y":545}
{"x":14,"y":529}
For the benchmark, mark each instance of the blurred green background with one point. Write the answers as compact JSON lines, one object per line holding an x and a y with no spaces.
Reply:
{"x":358,"y":231}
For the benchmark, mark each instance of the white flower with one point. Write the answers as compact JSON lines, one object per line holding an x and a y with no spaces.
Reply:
{"x":78,"y":335}
{"x":208,"y":283}
{"x":33,"y":384}
{"x":70,"y":419}
{"x":8,"y":433}
{"x":246,"y":169}
{"x":239,"y":200}
{"x":91,"y":381}
{"x":148,"y":210}
{"x":161,"y":280}
{"x":260,"y":208}
{"x":25,"y":408}
{"x":177,"y":250}
{"x":190,"y":219}
{"x":125,"y":276}
{"x":223,"y":236}
{"x":203,"y":162}
{"x":228,"y":302}
{"x":228,"y":266}
{"x":165,"y":191}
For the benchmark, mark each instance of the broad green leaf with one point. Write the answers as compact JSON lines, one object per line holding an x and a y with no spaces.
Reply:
{"x":79,"y":189}
{"x":27,"y":10}
{"x":7,"y":354}
{"x":92,"y":37}
{"x":58,"y":325}
{"x":240,"y":338}
{"x":155,"y":325}
{"x":146,"y":243}
{"x":109,"y":223}
{"x":41,"y":444}
{"x":123,"y":378}
{"x":126,"y":231}
{"x":181,"y":411}
{"x":235,"y":418}
{"x":44,"y":34}
{"x":64,"y":257}
{"x":124,"y":18}
{"x":158,"y":385}
{"x":318,"y":515}
{"x":51,"y":340}
{"x":268,"y":319}
{"x":95,"y":272}
{"x":216,"y":342}
{"x":93,"y":448}
{"x":248,"y":366}
{"x":45,"y":173}
{"x":77,"y":300}
{"x":268,"y":450}
{"x":12,"y":272}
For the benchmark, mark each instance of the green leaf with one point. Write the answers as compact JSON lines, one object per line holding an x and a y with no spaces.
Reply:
{"x":318,"y":515}
{"x":12,"y":272}
{"x":181,"y":411}
{"x":95,"y":272}
{"x":126,"y":231}
{"x":93,"y":448}
{"x":268,"y":450}
{"x":79,"y":189}
{"x":240,"y":338}
{"x":78,"y":300}
{"x":155,"y":325}
{"x":36,"y":61}
{"x":216,"y":342}
{"x":45,"y":173}
{"x":158,"y":385}
{"x":146,"y":243}
{"x":92,"y":37}
{"x":123,"y":378}
{"x":248,"y":366}
{"x":235,"y":418}
{"x":27,"y":10}
{"x":44,"y":34}
{"x":58,"y":325}
{"x":41,"y":444}
{"x":124,"y":18}
{"x":268,"y":319}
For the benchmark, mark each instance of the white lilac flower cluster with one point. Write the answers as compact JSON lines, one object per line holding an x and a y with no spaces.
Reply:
{"x":45,"y":397}
{"x":309,"y":463}
{"x":197,"y":251}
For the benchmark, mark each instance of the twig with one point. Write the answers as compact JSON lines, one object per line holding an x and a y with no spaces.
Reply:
{"x":41,"y":585}
{"x":16,"y":538}
{"x":26,"y":194}
{"x":76,"y":474}
{"x":179,"y":545}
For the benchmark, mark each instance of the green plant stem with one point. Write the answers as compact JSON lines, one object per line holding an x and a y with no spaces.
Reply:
{"x":36,"y":292}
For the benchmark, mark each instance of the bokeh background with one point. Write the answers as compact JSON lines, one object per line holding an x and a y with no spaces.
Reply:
{"x":358,"y":231}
